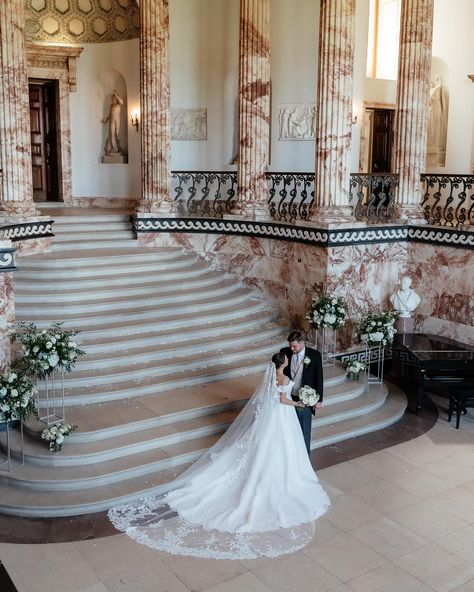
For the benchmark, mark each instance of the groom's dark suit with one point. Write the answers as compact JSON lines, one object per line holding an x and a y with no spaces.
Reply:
{"x":313,"y":377}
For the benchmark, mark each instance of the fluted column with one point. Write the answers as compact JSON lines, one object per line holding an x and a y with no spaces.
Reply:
{"x":334,"y":110}
{"x":411,"y":119}
{"x":254,"y":108}
{"x":16,"y":193}
{"x":155,"y":107}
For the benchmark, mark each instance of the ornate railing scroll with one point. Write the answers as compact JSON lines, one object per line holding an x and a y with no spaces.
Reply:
{"x":204,"y":193}
{"x":372,"y":196}
{"x":291,"y":195}
{"x":448,"y":200}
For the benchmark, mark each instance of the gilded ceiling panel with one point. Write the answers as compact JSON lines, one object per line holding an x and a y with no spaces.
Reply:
{"x":81,"y":21}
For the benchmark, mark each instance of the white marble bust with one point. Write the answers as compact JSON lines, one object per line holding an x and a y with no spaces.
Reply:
{"x":405,"y":299}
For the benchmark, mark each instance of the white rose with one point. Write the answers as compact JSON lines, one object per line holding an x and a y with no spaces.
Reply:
{"x":3,"y":391}
{"x":49,"y":345}
{"x":43,"y":332}
{"x":53,"y":340}
{"x":4,"y":407}
{"x":14,"y":393}
{"x":72,"y":344}
{"x":11,"y":377}
{"x":53,"y":360}
{"x":377,"y":336}
{"x":60,"y":439}
{"x":35,"y":349}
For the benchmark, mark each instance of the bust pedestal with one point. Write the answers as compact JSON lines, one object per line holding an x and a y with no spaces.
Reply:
{"x":405,"y":325}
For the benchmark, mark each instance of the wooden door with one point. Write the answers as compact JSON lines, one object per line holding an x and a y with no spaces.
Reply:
{"x":44,"y":153}
{"x":381,"y":141}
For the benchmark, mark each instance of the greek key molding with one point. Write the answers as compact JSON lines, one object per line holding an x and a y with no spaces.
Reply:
{"x":27,"y":230}
{"x":315,"y":236}
{"x":243,"y":228}
{"x":7,"y":261}
{"x":449,"y":237}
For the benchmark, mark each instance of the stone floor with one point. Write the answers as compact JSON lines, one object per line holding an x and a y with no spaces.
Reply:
{"x":401,"y":520}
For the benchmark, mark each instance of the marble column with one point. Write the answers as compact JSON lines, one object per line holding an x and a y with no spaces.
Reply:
{"x":254,"y":109}
{"x":334,"y":110}
{"x":411,"y":116}
{"x":155,"y":108}
{"x":16,"y":191}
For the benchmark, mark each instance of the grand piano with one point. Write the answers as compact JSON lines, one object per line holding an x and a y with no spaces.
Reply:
{"x":432,"y":360}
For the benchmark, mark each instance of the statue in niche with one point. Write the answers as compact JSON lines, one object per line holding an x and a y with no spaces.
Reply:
{"x":112,"y":144}
{"x":405,"y":299}
{"x":437,"y":124}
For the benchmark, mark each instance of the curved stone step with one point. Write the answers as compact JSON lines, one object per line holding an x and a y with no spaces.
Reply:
{"x":24,"y":502}
{"x":122,"y":304}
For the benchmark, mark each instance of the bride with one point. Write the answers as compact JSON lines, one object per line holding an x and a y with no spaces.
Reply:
{"x":253,"y":494}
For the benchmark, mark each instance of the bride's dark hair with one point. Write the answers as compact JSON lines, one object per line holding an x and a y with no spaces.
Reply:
{"x":278,"y":359}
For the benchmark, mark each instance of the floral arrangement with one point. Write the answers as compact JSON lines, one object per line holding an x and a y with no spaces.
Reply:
{"x":16,"y":396}
{"x":377,"y":328}
{"x":46,"y":350}
{"x":354,"y":368}
{"x":308,"y":395}
{"x":327,"y":310}
{"x":55,"y":435}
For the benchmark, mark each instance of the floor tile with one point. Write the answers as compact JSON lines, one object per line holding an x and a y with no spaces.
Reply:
{"x":436,"y":567}
{"x":428,"y":521}
{"x":458,"y":501}
{"x":388,"y":578}
{"x":382,"y":463}
{"x":201,"y":574}
{"x":247,"y":582}
{"x":388,"y":538}
{"x":385,"y":496}
{"x":345,"y":557}
{"x":347,"y":476}
{"x":460,"y":543}
{"x":145,"y":579}
{"x":420,"y":482}
{"x":347,"y":512}
{"x":293,"y":573}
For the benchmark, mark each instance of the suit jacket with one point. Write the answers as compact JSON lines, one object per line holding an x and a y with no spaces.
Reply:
{"x":312,"y":372}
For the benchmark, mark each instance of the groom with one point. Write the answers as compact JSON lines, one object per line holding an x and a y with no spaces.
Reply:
{"x":305,"y":368}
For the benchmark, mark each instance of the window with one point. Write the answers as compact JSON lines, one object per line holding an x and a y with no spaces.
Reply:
{"x":384,"y":33}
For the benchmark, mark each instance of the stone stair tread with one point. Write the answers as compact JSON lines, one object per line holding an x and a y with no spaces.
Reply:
{"x":144,"y":298}
{"x":162,"y":335}
{"x":72,"y":254}
{"x":112,"y":293}
{"x":144,"y":311}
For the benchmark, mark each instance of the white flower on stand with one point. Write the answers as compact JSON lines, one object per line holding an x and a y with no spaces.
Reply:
{"x":55,"y":435}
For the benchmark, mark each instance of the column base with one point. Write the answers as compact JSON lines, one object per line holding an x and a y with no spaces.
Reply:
{"x":410,"y":214}
{"x":332,"y":215}
{"x":256,"y":212}
{"x":19,"y":209}
{"x":160,"y":209}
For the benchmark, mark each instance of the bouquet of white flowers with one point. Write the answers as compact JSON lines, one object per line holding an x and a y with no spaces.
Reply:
{"x":55,"y":435}
{"x":16,"y":396}
{"x":377,"y":328}
{"x":308,"y":395}
{"x":44,"y":351}
{"x":327,"y":310}
{"x":354,"y":368}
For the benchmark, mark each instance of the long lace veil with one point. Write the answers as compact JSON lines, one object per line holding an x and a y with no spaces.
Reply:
{"x":154,"y":523}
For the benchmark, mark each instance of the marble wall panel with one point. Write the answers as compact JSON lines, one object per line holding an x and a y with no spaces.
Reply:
{"x":444,"y":279}
{"x":32,"y":246}
{"x":7,"y":316}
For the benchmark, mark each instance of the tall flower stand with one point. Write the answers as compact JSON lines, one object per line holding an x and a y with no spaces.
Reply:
{"x":326,"y":343}
{"x":374,"y":354}
{"x":50,"y":402}
{"x":8,"y":460}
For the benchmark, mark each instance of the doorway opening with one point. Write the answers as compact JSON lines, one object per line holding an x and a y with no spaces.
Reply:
{"x":44,"y":121}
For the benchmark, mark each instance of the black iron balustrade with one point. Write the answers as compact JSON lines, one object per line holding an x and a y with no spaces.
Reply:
{"x":204,"y":193}
{"x":448,"y":200}
{"x":372,"y":196}
{"x":291,"y":195}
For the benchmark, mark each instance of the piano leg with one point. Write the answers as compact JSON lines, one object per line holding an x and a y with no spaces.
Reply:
{"x":420,"y":391}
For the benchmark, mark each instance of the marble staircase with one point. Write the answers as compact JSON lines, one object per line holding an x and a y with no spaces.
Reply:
{"x":174,"y":349}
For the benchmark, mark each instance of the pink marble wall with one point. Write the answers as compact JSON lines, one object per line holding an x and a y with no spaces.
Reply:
{"x":444,"y":279}
{"x":287,"y":273}
{"x":33,"y":245}
{"x":7,"y":316}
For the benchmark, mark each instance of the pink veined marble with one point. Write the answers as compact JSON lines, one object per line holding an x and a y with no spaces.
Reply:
{"x":411,"y":115}
{"x":7,"y":316}
{"x":334,"y":108}
{"x":254,"y":108}
{"x":155,"y":107}
{"x":16,"y":192}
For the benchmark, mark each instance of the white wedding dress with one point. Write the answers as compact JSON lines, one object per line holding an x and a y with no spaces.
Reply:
{"x":253,"y":494}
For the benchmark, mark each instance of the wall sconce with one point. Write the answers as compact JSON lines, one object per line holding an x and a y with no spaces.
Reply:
{"x":135,"y":120}
{"x":354,"y":117}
